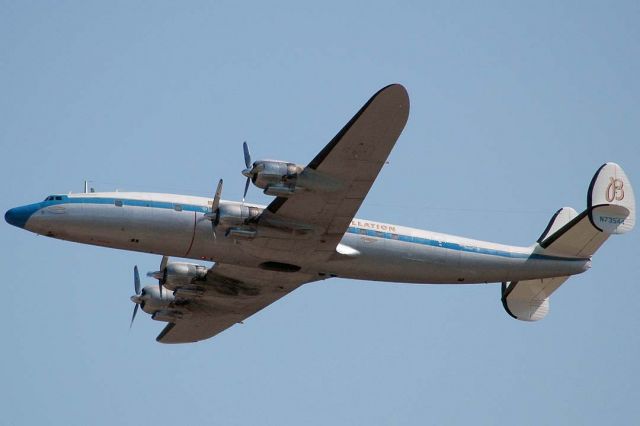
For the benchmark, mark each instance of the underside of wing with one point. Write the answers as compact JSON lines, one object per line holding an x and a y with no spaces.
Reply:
{"x":229,"y":295}
{"x":340,"y":176}
{"x":314,"y":220}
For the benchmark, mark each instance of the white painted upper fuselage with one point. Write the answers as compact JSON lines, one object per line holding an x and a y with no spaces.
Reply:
{"x":176,"y":225}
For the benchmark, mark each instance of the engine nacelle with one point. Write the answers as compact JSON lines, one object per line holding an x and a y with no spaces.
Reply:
{"x":280,"y":190}
{"x":276,"y":177}
{"x":236,"y":214}
{"x":179,"y":274}
{"x":151,"y":301}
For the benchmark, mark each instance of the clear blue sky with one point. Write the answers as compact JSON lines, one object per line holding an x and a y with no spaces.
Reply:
{"x":514,"y":107}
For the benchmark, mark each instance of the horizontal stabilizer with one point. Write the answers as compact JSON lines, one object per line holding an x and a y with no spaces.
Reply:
{"x":610,"y":210}
{"x":529,"y":300}
{"x":578,"y":238}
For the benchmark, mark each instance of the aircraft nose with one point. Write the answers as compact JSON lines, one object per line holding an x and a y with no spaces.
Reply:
{"x":18,"y":216}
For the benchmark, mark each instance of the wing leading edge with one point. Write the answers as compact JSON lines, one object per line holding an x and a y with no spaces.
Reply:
{"x":351,"y":161}
{"x":230,"y":295}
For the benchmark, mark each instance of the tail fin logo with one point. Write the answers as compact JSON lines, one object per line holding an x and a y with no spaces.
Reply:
{"x":615,"y":190}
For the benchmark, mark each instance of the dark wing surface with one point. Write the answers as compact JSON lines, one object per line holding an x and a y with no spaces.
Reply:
{"x":350,"y":163}
{"x":339,"y":178}
{"x":230,"y":295}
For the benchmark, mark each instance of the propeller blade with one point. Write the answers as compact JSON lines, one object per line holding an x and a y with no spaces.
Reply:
{"x":136,"y":279}
{"x":135,"y":311}
{"x":249,"y":170}
{"x":247,"y":155}
{"x":216,"y":198}
{"x":163,"y":262}
{"x":163,"y":269}
{"x":215,"y":207}
{"x":246,"y":188}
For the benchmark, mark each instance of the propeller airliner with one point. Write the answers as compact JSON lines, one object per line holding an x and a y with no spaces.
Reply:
{"x":309,"y":233}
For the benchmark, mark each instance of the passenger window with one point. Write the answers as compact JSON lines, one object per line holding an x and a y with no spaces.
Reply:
{"x":118,"y":203}
{"x":379,"y":234}
{"x":177,"y":207}
{"x":395,"y":236}
{"x":362,"y":231}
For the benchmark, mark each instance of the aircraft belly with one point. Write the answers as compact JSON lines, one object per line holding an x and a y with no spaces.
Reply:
{"x":531,"y":268}
{"x":398,"y":261}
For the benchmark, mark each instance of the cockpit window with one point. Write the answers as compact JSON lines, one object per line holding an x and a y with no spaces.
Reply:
{"x":49,"y":198}
{"x":58,"y":198}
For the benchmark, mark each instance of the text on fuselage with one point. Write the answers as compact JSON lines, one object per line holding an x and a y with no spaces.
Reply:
{"x":369,"y":225}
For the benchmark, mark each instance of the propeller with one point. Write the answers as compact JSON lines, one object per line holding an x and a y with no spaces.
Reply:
{"x":136,"y":279}
{"x":248,"y":168}
{"x":163,"y":268}
{"x":160,"y":275}
{"x":135,"y":299}
{"x":214,"y":215}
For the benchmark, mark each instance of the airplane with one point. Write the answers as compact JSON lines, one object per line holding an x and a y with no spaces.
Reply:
{"x":309,"y":233}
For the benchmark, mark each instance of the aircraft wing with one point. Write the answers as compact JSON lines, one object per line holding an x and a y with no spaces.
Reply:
{"x":345,"y":170}
{"x":230,"y":294}
{"x":348,"y":166}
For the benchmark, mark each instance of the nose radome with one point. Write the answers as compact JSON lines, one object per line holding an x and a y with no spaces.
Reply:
{"x":19,"y":216}
{"x":11,"y":216}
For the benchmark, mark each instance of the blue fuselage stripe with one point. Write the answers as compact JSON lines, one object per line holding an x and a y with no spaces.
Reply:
{"x":351,"y":230}
{"x":129,"y":202}
{"x":451,"y":246}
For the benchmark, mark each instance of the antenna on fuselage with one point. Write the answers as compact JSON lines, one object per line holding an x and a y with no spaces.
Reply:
{"x":87,"y":188}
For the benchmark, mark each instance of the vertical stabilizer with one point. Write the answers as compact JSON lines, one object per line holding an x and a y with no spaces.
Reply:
{"x":611,"y":201}
{"x":610,"y":210}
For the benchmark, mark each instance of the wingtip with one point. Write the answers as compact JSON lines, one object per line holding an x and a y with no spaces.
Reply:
{"x":398,"y":93}
{"x":394,"y":87}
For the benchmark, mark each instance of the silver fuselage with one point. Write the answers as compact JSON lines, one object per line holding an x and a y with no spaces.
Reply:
{"x":176,"y":226}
